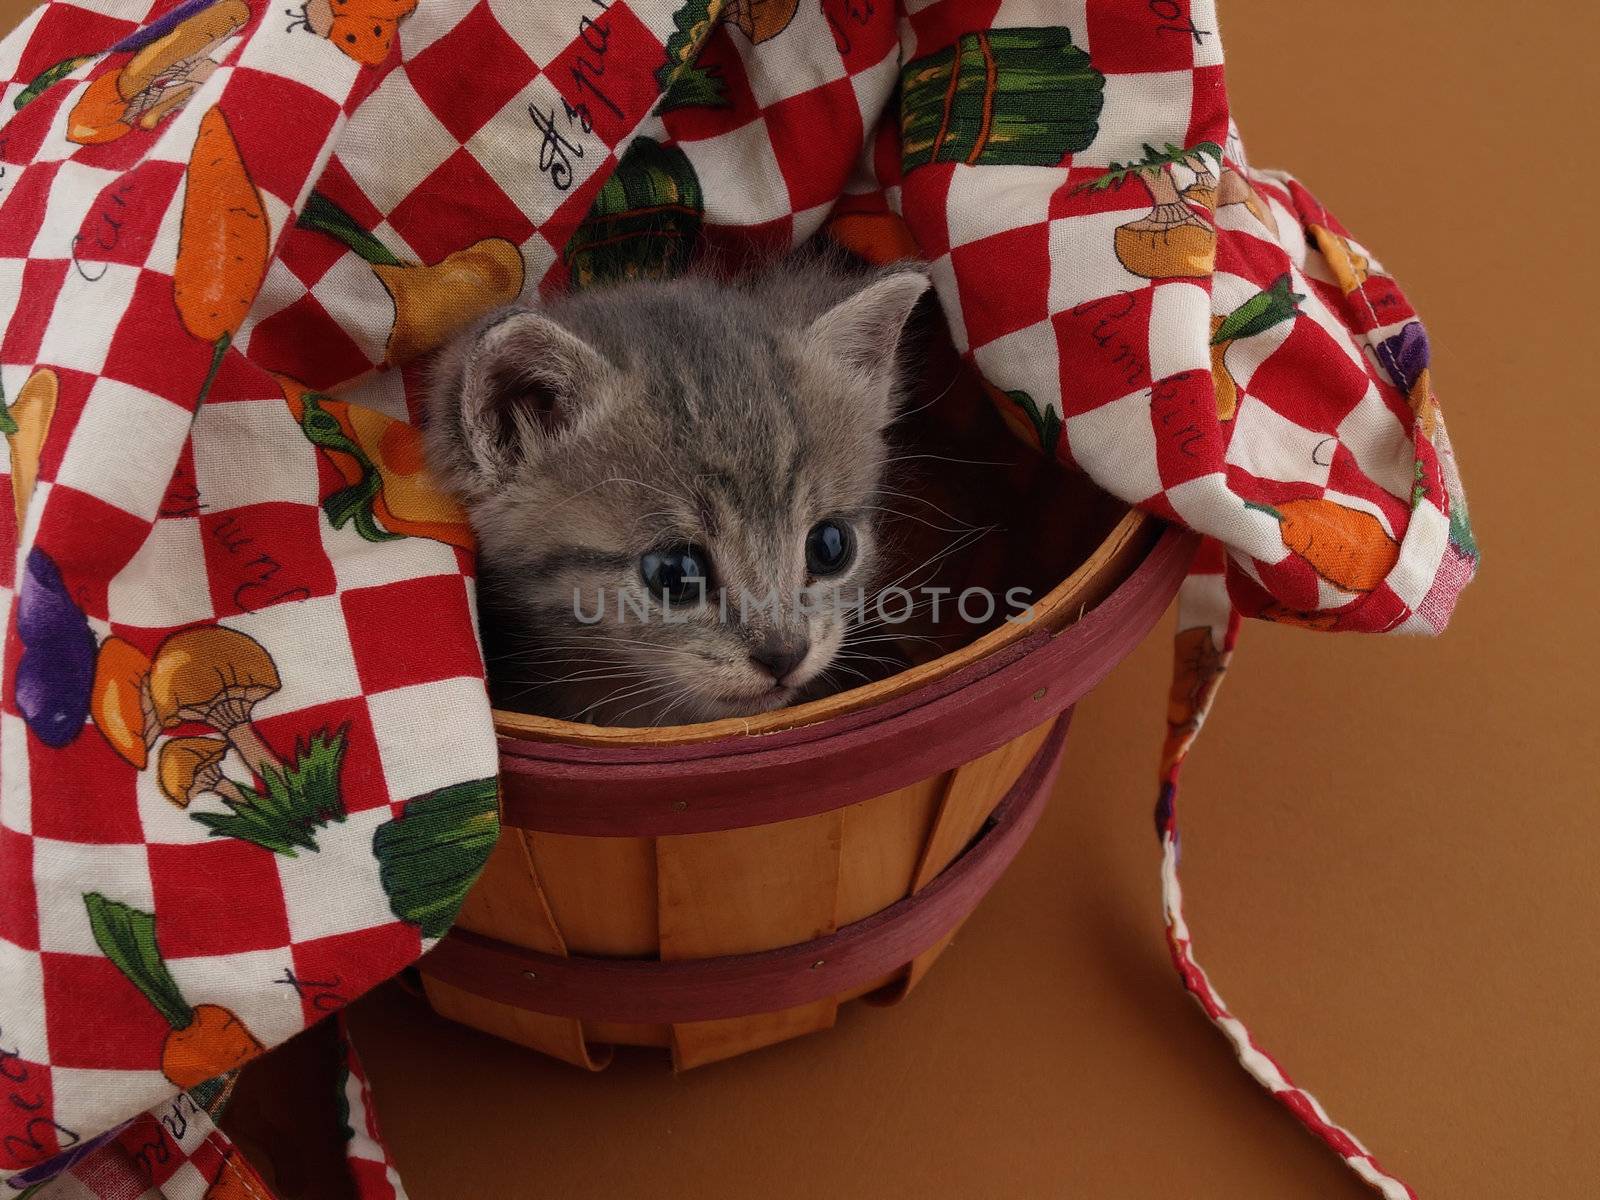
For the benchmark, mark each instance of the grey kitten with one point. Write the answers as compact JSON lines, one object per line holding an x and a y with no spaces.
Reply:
{"x":673,"y":483}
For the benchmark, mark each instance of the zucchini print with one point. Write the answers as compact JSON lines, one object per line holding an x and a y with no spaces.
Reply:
{"x":1025,"y":97}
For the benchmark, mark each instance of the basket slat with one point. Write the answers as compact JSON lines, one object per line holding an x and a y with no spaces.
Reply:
{"x":559,"y":1037}
{"x":511,"y":905}
{"x":602,"y":891}
{"x":974,"y":789}
{"x":744,"y":890}
{"x":736,"y":985}
{"x":760,"y":871}
{"x":970,"y":796}
{"x":882,"y":844}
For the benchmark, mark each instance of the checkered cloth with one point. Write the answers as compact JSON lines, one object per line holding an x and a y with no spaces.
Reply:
{"x":246,"y":760}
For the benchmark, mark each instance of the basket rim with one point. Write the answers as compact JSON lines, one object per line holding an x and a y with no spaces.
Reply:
{"x":651,"y":791}
{"x":1054,"y":611}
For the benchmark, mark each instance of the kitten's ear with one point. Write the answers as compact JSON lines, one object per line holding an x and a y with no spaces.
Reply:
{"x":863,"y":332}
{"x":517,"y":387}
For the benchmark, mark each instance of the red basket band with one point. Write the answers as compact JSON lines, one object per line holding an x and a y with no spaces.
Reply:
{"x":650,"y":991}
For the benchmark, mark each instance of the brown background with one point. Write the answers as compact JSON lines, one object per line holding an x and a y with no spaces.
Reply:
{"x":1390,"y":845}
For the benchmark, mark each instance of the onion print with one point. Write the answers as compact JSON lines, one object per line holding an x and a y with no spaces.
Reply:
{"x":1172,"y":241}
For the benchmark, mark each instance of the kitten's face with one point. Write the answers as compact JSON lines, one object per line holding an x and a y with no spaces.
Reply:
{"x":676,"y":503}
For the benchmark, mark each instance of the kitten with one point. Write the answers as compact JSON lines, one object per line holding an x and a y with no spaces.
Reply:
{"x":701,"y":450}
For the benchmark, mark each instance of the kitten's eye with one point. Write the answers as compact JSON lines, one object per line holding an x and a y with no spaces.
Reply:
{"x":676,"y":574}
{"x":830,"y":547}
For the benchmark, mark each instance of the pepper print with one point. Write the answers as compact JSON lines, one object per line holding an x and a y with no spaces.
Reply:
{"x":363,"y":30}
{"x":431,"y":303}
{"x":26,"y":424}
{"x":388,"y":492}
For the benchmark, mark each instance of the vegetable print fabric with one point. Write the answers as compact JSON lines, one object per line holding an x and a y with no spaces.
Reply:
{"x":246,"y":760}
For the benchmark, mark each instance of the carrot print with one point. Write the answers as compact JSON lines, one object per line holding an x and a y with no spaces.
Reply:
{"x":206,"y":1040}
{"x":222,"y":244}
{"x":1197,"y":668}
{"x":1349,"y":548}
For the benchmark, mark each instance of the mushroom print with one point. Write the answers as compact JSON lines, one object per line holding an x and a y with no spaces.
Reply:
{"x":171,"y":60}
{"x":119,"y":701}
{"x":431,"y":303}
{"x":26,"y":424}
{"x":293,"y":803}
{"x":1203,"y":191}
{"x":1172,"y":241}
{"x":192,"y":765}
{"x":216,"y":676}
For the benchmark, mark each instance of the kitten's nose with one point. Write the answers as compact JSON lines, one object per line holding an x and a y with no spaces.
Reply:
{"x":780,"y":656}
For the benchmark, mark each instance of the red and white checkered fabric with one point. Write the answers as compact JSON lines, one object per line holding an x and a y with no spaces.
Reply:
{"x":227,"y":239}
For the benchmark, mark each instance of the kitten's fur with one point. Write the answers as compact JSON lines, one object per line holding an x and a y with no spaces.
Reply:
{"x":582,"y":433}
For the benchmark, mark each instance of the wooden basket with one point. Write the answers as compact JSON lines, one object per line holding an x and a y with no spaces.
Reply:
{"x":715,"y":888}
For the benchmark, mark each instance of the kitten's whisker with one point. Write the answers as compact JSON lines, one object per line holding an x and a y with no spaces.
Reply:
{"x":626,"y":693}
{"x":888,"y":491}
{"x":924,"y":407}
{"x":905,"y":516}
{"x":651,"y":695}
{"x":966,"y":462}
